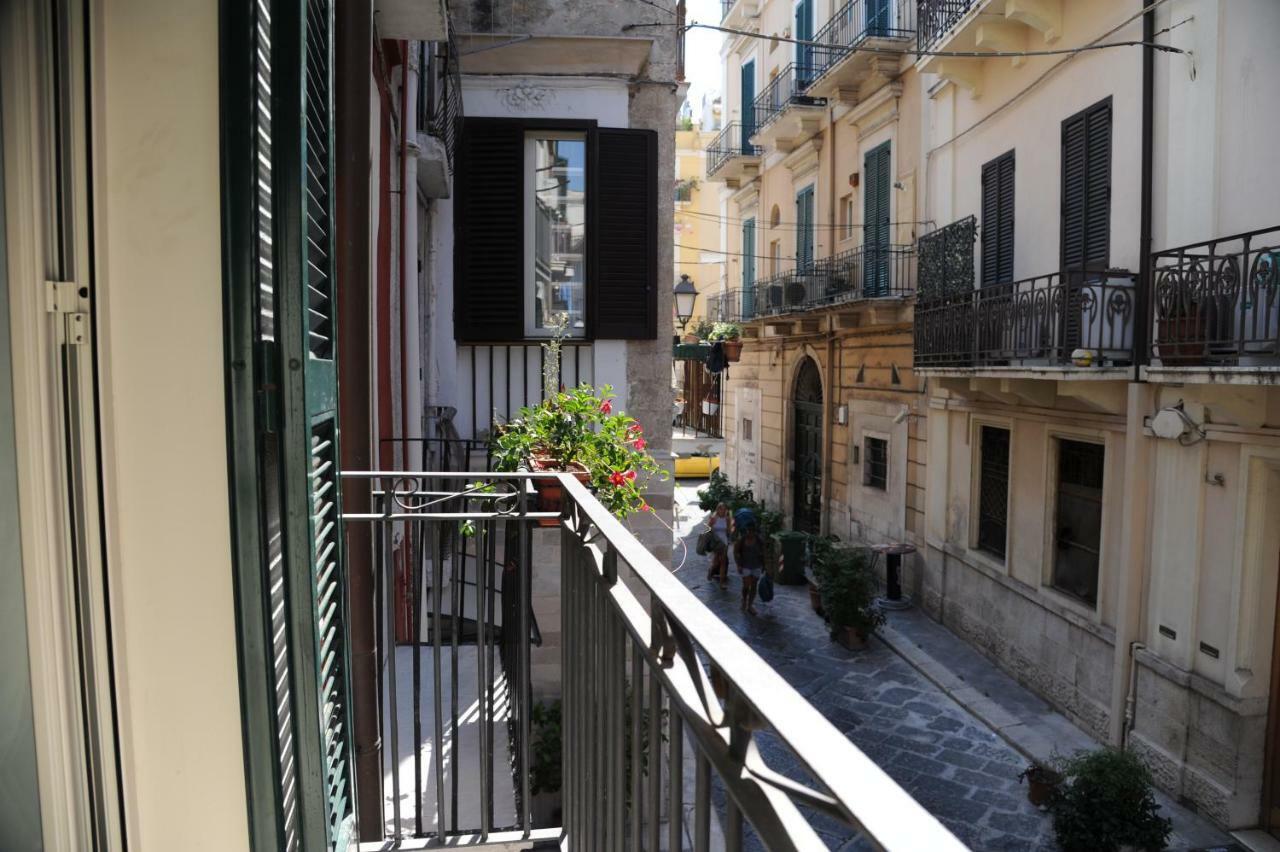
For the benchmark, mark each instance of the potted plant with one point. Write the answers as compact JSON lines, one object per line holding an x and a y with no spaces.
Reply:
{"x":1180,"y":330}
{"x":711,"y":402}
{"x":848,"y":589}
{"x":729,"y":336}
{"x":1042,"y":782}
{"x":701,"y":331}
{"x":1106,"y":803}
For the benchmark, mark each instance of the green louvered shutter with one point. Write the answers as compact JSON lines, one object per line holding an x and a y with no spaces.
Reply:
{"x":313,"y":534}
{"x":875,"y":221}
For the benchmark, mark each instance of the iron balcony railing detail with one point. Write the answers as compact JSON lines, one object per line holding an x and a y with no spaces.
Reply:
{"x":935,"y":17}
{"x":946,"y":260}
{"x":785,"y":90}
{"x":865,"y":272}
{"x":733,"y":141}
{"x":440,"y":98}
{"x":663,"y":708}
{"x":1218,"y":303}
{"x":854,"y":23}
{"x":725,"y":7}
{"x":1056,"y":320}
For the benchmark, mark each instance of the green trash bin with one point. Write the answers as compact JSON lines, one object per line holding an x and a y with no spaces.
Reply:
{"x":791,"y":569}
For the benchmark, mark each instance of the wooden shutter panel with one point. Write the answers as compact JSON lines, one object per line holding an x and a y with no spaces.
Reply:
{"x":489,"y":248}
{"x":623,"y":296}
{"x":1086,"y":189}
{"x":997,"y":219}
{"x":1074,"y":166}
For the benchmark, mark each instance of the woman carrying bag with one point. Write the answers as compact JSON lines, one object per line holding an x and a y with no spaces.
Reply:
{"x":719,"y":531}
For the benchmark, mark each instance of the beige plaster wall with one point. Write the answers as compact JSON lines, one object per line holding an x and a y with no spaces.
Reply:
{"x":164,"y":447}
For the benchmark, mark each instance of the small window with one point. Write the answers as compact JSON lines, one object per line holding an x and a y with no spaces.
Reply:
{"x":875,"y":468}
{"x":775,"y":257}
{"x":846,"y":217}
{"x":556,"y":232}
{"x":746,"y":429}
{"x":1078,"y":519}
{"x":993,"y":491}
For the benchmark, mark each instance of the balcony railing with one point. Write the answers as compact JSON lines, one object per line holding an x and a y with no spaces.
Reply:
{"x":733,"y":141}
{"x":935,"y":17}
{"x":1218,"y":303}
{"x":725,"y":6}
{"x":660,"y":702}
{"x":785,"y":90}
{"x":440,"y":96}
{"x":1055,"y":320}
{"x":946,"y":260}
{"x":861,"y":273}
{"x":854,"y":23}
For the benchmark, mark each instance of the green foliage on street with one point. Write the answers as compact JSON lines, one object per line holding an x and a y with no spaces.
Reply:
{"x":1106,"y":803}
{"x":847,"y":586}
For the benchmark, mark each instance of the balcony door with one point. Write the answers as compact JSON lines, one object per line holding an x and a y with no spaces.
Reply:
{"x":877,"y":18}
{"x":748,"y":268}
{"x":804,"y":52}
{"x":1086,"y":213}
{"x":875,"y":221}
{"x":804,"y":228}
{"x":748,"y":101}
{"x":806,"y":457}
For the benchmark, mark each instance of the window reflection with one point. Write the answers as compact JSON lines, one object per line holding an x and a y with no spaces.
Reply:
{"x":559,"y":232}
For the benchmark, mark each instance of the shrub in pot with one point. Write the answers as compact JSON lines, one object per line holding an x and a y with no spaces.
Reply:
{"x":847,"y":587}
{"x":729,"y":336}
{"x":1106,"y":803}
{"x":1042,"y":783}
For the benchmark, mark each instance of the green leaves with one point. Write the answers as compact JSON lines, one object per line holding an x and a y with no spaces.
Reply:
{"x":847,"y":586}
{"x":1107,"y":803}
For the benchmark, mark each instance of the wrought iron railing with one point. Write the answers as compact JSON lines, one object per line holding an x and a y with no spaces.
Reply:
{"x":1057,"y":320}
{"x":1218,"y":302}
{"x":497,"y":379}
{"x":935,"y":17}
{"x":946,"y":260}
{"x":725,"y":6}
{"x":854,"y":23}
{"x":733,"y":141}
{"x":663,"y":708}
{"x":440,"y":98}
{"x":785,"y":90}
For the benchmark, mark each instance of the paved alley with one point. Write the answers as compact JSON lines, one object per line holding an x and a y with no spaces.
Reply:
{"x":949,"y":760}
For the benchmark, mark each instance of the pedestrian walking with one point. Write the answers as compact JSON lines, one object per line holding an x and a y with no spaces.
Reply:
{"x":748,"y":554}
{"x":720,"y":523}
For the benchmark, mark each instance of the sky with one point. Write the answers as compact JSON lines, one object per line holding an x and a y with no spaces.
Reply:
{"x":702,"y":52}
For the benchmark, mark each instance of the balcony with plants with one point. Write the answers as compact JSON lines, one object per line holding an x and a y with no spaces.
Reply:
{"x":786,"y":113}
{"x":1215,"y":310}
{"x":731,"y":157}
{"x":858,"y":44}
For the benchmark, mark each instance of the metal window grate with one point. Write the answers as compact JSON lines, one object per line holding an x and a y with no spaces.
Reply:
{"x":993,"y":491}
{"x":875,"y":464}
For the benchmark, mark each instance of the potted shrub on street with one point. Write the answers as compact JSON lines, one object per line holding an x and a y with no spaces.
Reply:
{"x":1106,"y":803}
{"x":729,"y":336}
{"x":848,"y":590}
{"x":1042,"y":781}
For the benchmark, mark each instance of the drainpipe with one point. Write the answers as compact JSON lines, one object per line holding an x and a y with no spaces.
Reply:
{"x":829,"y":430}
{"x":1139,"y":449}
{"x":1130,"y":699}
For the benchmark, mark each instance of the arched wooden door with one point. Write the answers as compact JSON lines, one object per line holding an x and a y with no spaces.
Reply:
{"x":806,"y":401}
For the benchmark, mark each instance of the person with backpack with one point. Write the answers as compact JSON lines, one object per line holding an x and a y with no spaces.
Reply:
{"x":748,"y":554}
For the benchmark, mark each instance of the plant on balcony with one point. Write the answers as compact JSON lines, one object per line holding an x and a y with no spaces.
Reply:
{"x":848,"y":590}
{"x":1179,"y":329}
{"x":729,"y":336}
{"x":1106,"y":803}
{"x":701,"y":331}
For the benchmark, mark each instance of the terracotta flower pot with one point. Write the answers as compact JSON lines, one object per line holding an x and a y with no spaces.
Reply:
{"x":815,"y":598}
{"x":732,"y":349}
{"x":850,"y":637}
{"x":1180,"y":342}
{"x":550,"y":492}
{"x":690,"y":338}
{"x":1042,"y":782}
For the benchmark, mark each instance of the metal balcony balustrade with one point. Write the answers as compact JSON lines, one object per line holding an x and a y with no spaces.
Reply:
{"x":661,"y":701}
{"x":946,"y":260}
{"x":858,"y":274}
{"x":783,"y":91}
{"x":1217,"y":303}
{"x":725,"y":7}
{"x":440,"y":96}
{"x":733,"y":141}
{"x":854,"y":23}
{"x":935,"y":17}
{"x":1036,"y":322}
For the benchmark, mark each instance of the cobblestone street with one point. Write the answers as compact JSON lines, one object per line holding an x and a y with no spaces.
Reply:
{"x":945,"y":757}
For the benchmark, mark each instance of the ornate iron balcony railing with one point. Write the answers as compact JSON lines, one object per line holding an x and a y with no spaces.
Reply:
{"x":1041,"y":321}
{"x":733,"y":141}
{"x":783,"y":91}
{"x":1218,"y":303}
{"x":946,"y":260}
{"x":660,"y":702}
{"x":875,"y":272}
{"x":935,"y":17}
{"x":854,"y":23}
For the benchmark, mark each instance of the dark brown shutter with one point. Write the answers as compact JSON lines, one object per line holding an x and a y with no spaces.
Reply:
{"x":1086,"y":189}
{"x":997,"y":220}
{"x":623,"y":296}
{"x":489,"y":252}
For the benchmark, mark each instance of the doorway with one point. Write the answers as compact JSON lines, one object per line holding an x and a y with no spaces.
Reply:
{"x":1271,"y":758}
{"x":807,"y":448}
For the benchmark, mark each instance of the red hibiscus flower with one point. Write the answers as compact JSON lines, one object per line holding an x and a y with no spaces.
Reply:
{"x":617,"y":478}
{"x":630,"y":475}
{"x":635,"y":427}
{"x":640,"y":443}
{"x":606,"y":407}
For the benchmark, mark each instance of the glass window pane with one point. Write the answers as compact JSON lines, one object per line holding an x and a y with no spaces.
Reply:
{"x":559,"y":212}
{"x":1078,"y":519}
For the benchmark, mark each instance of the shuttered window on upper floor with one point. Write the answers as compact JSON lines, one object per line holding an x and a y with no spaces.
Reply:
{"x":1086,"y":189}
{"x":997,"y":220}
{"x":555,"y":218}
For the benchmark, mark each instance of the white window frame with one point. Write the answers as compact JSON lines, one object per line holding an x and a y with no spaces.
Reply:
{"x":530,"y":232}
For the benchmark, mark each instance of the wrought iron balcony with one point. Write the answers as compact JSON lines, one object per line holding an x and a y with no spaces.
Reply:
{"x":1061,"y":320}
{"x":934,"y":18}
{"x":731,"y":151}
{"x":838,"y":64}
{"x":660,"y":703}
{"x":1218,"y":303}
{"x":946,"y":260}
{"x":784,"y":91}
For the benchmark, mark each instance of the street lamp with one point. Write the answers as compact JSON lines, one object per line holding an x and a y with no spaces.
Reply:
{"x":685,"y":294}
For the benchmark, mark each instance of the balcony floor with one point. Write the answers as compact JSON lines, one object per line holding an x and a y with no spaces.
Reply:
{"x":944,"y":755}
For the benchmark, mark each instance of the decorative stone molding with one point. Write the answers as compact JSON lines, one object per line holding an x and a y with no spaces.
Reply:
{"x":527,"y":96}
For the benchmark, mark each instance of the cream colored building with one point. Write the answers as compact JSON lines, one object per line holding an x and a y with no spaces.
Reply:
{"x":697,"y":220}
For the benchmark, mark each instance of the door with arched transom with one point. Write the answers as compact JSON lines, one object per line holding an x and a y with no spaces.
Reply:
{"x":806,"y":402}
